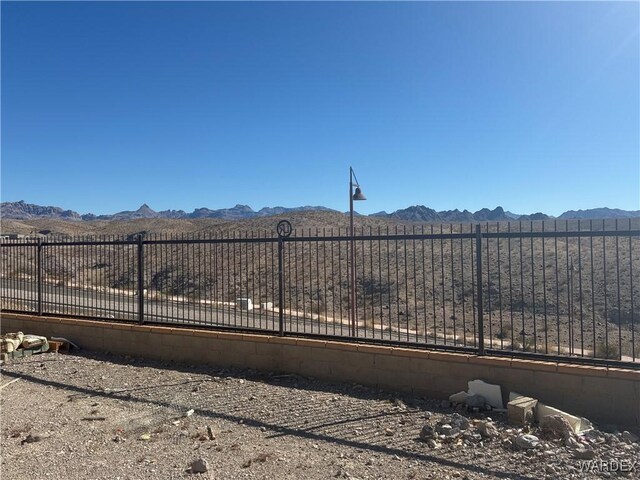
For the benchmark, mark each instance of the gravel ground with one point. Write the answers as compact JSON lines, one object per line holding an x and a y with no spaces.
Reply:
{"x":101,"y":416}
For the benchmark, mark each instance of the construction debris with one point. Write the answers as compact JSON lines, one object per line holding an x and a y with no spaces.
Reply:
{"x":9,"y":383}
{"x":14,"y":345}
{"x":521,"y":410}
{"x":578,"y":424}
{"x":491,"y":393}
{"x":65,"y":342}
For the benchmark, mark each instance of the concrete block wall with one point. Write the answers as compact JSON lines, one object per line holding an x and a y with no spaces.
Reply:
{"x":609,"y":395}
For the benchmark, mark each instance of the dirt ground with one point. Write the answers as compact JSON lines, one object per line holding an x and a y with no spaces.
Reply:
{"x":101,"y":416}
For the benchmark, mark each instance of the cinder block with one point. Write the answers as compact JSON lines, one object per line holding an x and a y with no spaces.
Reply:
{"x":269,"y":349}
{"x":92,"y":343}
{"x":265,"y":363}
{"x":230,"y":336}
{"x":401,"y":381}
{"x":375,"y":349}
{"x":176,"y":340}
{"x":410,"y":352}
{"x":450,"y":357}
{"x":242,"y":348}
{"x":557,"y":382}
{"x":624,"y":374}
{"x":490,"y":361}
{"x":439,"y":386}
{"x":309,"y":342}
{"x":347,"y":373}
{"x":313,"y":368}
{"x":534,"y":365}
{"x":349,"y":347}
{"x":582,"y":370}
{"x":521,"y":411}
{"x":391,"y":363}
{"x":283,"y":340}
{"x":150,"y":339}
{"x":248,"y":337}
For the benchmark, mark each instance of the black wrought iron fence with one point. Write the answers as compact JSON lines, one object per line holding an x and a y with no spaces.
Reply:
{"x":551,"y":289}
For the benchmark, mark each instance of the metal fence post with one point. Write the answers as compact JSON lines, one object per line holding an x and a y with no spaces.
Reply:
{"x":140,"y":280}
{"x":479,"y":282}
{"x":280,"y":286}
{"x":39,"y":274}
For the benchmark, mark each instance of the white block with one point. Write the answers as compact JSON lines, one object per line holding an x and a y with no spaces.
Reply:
{"x":491,"y":393}
{"x":266,"y":305}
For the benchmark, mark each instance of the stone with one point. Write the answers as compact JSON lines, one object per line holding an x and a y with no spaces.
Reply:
{"x":427,"y":432}
{"x":611,"y":439}
{"x":595,"y":436}
{"x":520,"y":410}
{"x":400,"y":404}
{"x":199,"y":465}
{"x":584,"y":453}
{"x":577,"y":424}
{"x":571,"y":442}
{"x":629,"y":437}
{"x":475,"y":401}
{"x":556,"y":425}
{"x":491,"y":393}
{"x":459,"y":397}
{"x":472,"y":437}
{"x":487,"y":429}
{"x":210,"y":433}
{"x":458,"y":421}
{"x":526,"y":441}
{"x":31,"y":439}
{"x":444,"y":429}
{"x":433,"y":444}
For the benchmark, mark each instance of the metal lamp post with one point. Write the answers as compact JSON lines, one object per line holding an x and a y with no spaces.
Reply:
{"x":357,"y":195}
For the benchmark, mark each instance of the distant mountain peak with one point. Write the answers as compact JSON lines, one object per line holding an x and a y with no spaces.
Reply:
{"x":144,"y":208}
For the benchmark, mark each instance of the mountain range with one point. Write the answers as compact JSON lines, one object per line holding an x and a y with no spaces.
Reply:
{"x":418,"y":213}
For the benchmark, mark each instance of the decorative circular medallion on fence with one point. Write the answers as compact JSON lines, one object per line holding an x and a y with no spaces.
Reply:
{"x":284,"y":228}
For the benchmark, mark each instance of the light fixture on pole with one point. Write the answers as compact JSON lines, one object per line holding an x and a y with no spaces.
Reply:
{"x":357,"y":195}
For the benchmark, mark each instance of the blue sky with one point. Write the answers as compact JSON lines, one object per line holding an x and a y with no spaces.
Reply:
{"x":531,"y":106}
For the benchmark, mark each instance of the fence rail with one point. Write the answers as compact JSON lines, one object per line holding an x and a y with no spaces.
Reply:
{"x":535,"y":289}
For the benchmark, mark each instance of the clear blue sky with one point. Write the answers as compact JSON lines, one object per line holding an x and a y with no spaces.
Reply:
{"x":531,"y":106}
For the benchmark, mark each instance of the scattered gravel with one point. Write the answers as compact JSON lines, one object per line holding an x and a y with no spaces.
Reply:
{"x":100,"y":416}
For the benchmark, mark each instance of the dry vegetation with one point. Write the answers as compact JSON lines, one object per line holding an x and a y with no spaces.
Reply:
{"x":584,"y":296}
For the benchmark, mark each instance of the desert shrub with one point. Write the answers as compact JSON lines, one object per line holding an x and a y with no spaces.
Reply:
{"x":607,"y":350}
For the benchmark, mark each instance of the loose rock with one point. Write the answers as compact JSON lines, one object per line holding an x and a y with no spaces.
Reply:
{"x":199,"y":466}
{"x":487,"y":429}
{"x":427,"y":432}
{"x":556,"y":425}
{"x":527,"y":441}
{"x":584,"y":454}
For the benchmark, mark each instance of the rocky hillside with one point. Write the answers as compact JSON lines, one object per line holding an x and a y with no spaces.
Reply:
{"x":418,"y":213}
{"x":25,"y":211}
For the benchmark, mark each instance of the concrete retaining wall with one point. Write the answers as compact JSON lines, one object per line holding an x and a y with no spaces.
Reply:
{"x":608,"y":395}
